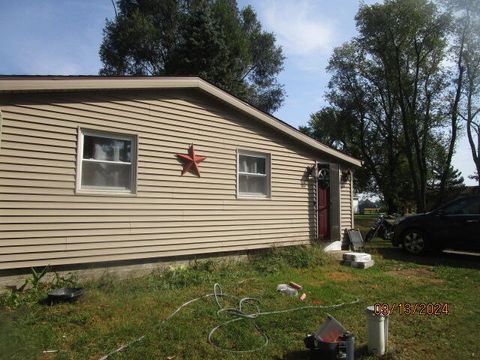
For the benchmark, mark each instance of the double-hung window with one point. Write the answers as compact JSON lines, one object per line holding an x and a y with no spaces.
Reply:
{"x":107,"y":162}
{"x":253,"y":174}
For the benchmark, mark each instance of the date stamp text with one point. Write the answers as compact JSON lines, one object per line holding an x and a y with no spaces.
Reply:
{"x":411,"y":309}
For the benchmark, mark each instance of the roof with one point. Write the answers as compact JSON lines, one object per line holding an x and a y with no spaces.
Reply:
{"x":18,"y":84}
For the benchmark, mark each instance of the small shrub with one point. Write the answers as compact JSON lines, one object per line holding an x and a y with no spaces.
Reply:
{"x":299,"y":257}
{"x":196,"y":272}
{"x":206,"y":265}
{"x":276,"y":259}
{"x":176,"y":277}
{"x":61,"y":281}
{"x":182,"y":276}
{"x":267,"y":261}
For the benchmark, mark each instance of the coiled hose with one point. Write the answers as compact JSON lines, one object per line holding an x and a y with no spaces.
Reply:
{"x":238,"y":313}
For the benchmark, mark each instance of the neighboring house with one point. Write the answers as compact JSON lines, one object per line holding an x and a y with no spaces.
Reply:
{"x":90,"y":173}
{"x":355,"y":200}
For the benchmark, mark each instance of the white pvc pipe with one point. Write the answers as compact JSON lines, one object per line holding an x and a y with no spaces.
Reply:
{"x":377,"y":332}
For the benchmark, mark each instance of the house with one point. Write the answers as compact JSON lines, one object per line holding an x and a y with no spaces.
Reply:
{"x":98,"y":170}
{"x":355,"y":200}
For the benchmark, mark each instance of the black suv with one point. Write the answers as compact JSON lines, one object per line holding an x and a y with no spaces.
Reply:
{"x":455,"y":225}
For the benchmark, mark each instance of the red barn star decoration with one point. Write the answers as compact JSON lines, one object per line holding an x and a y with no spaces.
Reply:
{"x":191,"y":161}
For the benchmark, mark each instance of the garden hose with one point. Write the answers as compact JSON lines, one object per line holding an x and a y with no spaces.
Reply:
{"x":238,"y":313}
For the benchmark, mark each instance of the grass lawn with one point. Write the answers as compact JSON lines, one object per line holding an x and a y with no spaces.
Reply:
{"x":112,"y":313}
{"x":364,"y":222}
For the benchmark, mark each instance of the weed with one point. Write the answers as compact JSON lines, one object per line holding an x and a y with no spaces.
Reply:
{"x":183,"y":276}
{"x":298,"y":257}
{"x":195,"y":273}
{"x":69,"y":280}
{"x":34,"y":289}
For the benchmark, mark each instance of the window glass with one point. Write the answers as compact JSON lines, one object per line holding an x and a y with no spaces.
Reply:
{"x":473,"y":208}
{"x":254,"y":174}
{"x":105,"y":175}
{"x":463,"y":206}
{"x":253,"y":184}
{"x":103,"y":148}
{"x":252,"y":164}
{"x":107,"y":162}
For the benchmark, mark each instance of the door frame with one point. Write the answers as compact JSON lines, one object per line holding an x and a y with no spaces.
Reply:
{"x":323,"y":184}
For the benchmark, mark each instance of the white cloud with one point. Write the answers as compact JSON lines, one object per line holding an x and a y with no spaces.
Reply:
{"x":298,"y":28}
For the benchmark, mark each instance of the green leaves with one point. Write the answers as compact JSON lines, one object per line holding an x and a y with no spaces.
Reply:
{"x":212,"y":39}
{"x":388,"y":98}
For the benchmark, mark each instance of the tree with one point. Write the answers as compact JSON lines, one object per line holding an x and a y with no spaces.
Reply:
{"x":467,"y":50}
{"x":450,"y":182}
{"x":334,"y":128}
{"x":201,"y":48}
{"x":367,"y":204}
{"x":212,"y":39}
{"x":387,"y":92}
{"x":407,"y":38}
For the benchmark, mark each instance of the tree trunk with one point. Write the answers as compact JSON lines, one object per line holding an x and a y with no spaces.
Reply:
{"x":477,"y":160}
{"x":454,"y":121}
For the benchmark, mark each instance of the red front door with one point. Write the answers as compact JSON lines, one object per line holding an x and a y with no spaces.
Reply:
{"x":323,"y":201}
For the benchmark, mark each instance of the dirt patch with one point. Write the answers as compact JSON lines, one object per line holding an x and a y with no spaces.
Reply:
{"x":417,"y":275}
{"x":339,"y":276}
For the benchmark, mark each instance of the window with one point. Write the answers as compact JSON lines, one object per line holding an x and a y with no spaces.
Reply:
{"x":106,"y":162}
{"x":473,"y":208}
{"x":466,"y":206}
{"x":253,"y":174}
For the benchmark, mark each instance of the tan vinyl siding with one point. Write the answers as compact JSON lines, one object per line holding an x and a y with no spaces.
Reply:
{"x":43,"y":221}
{"x":346,"y":205}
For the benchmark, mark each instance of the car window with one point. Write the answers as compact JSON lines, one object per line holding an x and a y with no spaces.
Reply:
{"x":473,"y":207}
{"x":463,"y":207}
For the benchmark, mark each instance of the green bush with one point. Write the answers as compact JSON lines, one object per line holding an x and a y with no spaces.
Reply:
{"x":196,"y":272}
{"x":276,"y":259}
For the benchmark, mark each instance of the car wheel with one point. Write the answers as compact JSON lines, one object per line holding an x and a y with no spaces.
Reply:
{"x":414,"y":241}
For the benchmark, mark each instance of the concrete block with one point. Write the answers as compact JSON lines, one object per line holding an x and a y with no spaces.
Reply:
{"x":354,"y":256}
{"x":362,"y":264}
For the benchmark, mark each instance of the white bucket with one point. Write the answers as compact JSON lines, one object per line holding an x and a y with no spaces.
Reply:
{"x":377,"y":332}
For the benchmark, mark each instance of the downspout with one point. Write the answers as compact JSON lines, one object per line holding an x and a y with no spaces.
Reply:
{"x":351,"y":200}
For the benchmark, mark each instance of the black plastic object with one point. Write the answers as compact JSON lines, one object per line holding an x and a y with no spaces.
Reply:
{"x":325,"y":351}
{"x":343,"y":349}
{"x":356,"y":240}
{"x":346,"y":347}
{"x":64,"y":294}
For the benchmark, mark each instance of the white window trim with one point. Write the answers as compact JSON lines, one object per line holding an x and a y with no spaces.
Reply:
{"x":268,"y":170}
{"x":103,"y":190}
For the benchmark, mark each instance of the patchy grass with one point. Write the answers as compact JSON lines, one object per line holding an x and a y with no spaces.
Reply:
{"x":112,"y":313}
{"x":364,"y":222}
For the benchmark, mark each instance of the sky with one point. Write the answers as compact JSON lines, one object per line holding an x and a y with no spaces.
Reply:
{"x":51,"y":37}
